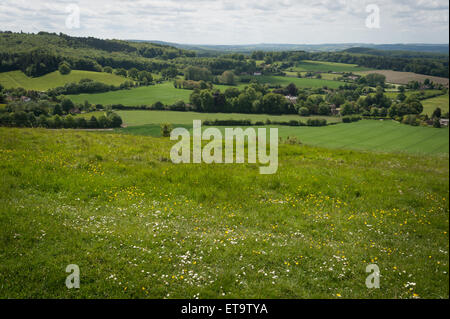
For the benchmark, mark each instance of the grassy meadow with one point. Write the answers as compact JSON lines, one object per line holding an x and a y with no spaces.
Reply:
{"x":135,"y":118}
{"x":15,"y":79}
{"x":167,"y":94}
{"x":430,"y":105}
{"x":140,"y":226}
{"x":367,"y":135}
{"x":323,"y":66}
{"x":299,"y":82}
{"x":146,"y":95}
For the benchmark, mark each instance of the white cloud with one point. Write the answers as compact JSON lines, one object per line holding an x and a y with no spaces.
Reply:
{"x":236,"y":21}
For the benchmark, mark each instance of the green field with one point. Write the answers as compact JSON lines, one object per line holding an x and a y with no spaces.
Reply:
{"x":325,"y":76}
{"x":299,"y":82}
{"x":368,"y":135}
{"x":430,"y":105}
{"x":393,"y":94}
{"x":322,"y":66}
{"x":146,"y":95}
{"x":371,"y":135}
{"x":136,"y":118}
{"x":167,"y":94}
{"x":139,"y":226}
{"x":15,"y":79}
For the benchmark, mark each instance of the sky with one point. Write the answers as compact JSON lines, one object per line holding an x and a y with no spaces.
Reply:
{"x":235,"y":21}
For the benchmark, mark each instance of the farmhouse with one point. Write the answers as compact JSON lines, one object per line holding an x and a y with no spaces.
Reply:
{"x":443,"y":122}
{"x":292,"y":99}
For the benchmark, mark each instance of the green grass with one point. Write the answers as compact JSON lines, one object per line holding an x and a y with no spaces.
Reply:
{"x":136,"y":118}
{"x":167,"y":94}
{"x":430,"y":105}
{"x":141,"y":227}
{"x":299,"y":82}
{"x":321,"y":66}
{"x":15,"y":79}
{"x":371,"y":135}
{"x":427,"y":93}
{"x":146,"y":95}
{"x":368,"y":135}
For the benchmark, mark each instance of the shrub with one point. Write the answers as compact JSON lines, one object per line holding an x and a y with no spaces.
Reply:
{"x":103,"y":122}
{"x":115,"y":120}
{"x":436,"y":123}
{"x":166,"y":129}
{"x":303,"y":111}
{"x":93,"y":123}
{"x":69,"y":122}
{"x":64,"y":68}
{"x":80,"y":122}
{"x":316,"y":122}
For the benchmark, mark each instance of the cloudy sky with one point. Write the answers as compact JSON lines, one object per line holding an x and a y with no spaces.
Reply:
{"x":235,"y":21}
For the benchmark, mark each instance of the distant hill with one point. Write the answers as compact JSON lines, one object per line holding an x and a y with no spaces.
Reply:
{"x":41,"y":53}
{"x":327,"y":47}
{"x":397,"y":53}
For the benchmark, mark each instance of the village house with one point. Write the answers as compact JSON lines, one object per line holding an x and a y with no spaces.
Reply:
{"x":334,"y":109}
{"x":292,"y":99}
{"x":444,"y":122}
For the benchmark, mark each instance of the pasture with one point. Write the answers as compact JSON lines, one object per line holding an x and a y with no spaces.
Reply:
{"x":139,"y":226}
{"x":367,"y":135}
{"x":167,"y":94}
{"x":15,"y":79}
{"x":135,"y":118}
{"x":323,"y":66}
{"x":299,"y":82}
{"x":429,"y":105}
{"x":146,"y":95}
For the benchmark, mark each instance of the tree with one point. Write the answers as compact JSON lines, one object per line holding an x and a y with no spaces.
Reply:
{"x":273,"y":103}
{"x":374,"y":111}
{"x":437,"y":123}
{"x":166,"y":129}
{"x":347,"y":109}
{"x":324,"y":109}
{"x":121,"y":72}
{"x":20,"y":118}
{"x":108,"y":69}
{"x":69,"y":121}
{"x":57,"y":121}
{"x":133,"y":73}
{"x":303,"y":111}
{"x":103,"y":122}
{"x":64,"y":68}
{"x":292,"y":89}
{"x":145,"y":77}
{"x":158,"y":106}
{"x":401,"y":97}
{"x":67,"y":105}
{"x":116,"y":120}
{"x":227,"y":78}
{"x":92,"y":123}
{"x":169,"y":72}
{"x":375,"y":79}
{"x":195,"y":73}
{"x":57,"y":110}
{"x":437,"y":113}
{"x":207,"y":101}
{"x":42,"y":121}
